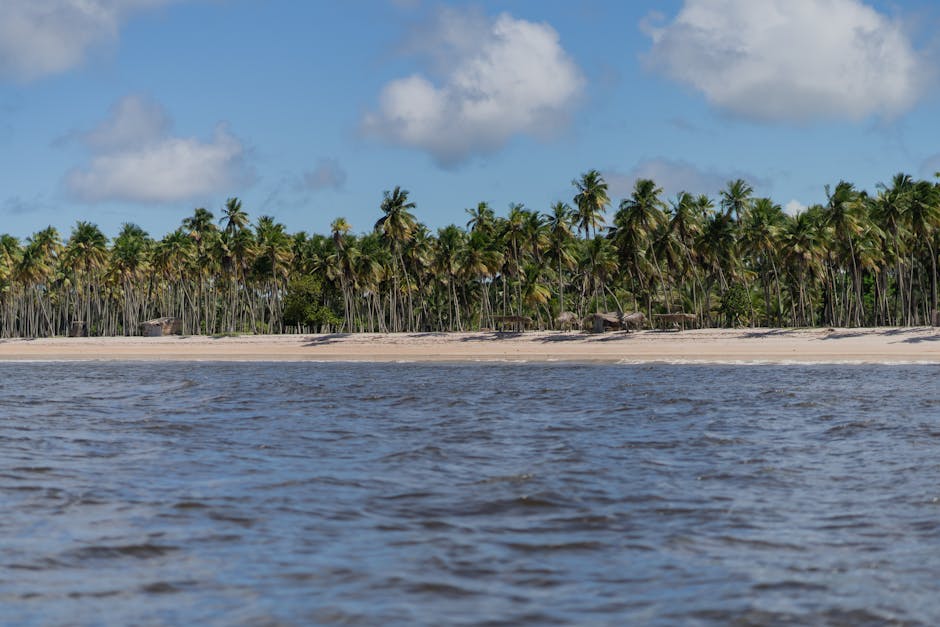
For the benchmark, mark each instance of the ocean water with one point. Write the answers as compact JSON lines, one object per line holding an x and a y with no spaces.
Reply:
{"x":468,"y":494}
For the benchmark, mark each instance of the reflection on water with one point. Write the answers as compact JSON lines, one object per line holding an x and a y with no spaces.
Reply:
{"x":380,"y":494}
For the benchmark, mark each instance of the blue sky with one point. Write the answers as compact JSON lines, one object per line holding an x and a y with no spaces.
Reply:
{"x":139,"y":111}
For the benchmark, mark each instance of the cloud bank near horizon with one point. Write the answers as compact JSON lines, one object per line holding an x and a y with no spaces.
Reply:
{"x":675,"y":176}
{"x":135,"y":158}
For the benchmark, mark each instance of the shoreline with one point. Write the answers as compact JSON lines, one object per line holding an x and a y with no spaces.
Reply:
{"x":707,"y":346}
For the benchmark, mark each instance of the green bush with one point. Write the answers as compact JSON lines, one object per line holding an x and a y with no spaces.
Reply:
{"x":303,"y":305}
{"x":736,"y":305}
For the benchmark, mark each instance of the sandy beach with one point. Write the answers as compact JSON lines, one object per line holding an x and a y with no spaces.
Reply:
{"x":882,"y":345}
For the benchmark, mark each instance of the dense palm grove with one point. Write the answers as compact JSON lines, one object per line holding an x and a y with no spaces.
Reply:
{"x":858,"y":260}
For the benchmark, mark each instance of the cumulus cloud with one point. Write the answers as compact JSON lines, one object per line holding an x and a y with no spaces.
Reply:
{"x":791,"y":60}
{"x":134,"y":120}
{"x":492,"y":79}
{"x":328,"y":174}
{"x":134,"y":158}
{"x":41,"y":37}
{"x":675,"y":176}
{"x":794,"y":207}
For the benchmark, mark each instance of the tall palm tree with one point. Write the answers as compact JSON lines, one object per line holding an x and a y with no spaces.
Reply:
{"x":272,"y":264}
{"x":85,"y":255}
{"x":561,"y":245}
{"x":482,"y":218}
{"x":591,"y":201}
{"x":397,"y":226}
{"x":759,"y":230}
{"x":736,"y":197}
{"x":129,"y":263}
{"x":234,"y":218}
{"x":845,"y":214}
{"x":635,"y":229}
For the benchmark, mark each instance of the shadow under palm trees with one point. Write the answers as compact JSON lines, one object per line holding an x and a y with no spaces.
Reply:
{"x":918,"y":340}
{"x":492,"y":335}
{"x":330,"y":338}
{"x":771,"y":333}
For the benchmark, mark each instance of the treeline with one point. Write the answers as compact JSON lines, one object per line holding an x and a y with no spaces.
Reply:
{"x":860,"y":259}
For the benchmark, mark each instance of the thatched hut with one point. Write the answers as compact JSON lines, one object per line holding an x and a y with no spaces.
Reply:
{"x":77,"y":329}
{"x":674,"y":321}
{"x":566,"y":320}
{"x":512,"y":323}
{"x":600,"y":322}
{"x":161,"y":326}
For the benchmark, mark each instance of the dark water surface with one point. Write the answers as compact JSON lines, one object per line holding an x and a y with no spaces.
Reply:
{"x":474,"y":494}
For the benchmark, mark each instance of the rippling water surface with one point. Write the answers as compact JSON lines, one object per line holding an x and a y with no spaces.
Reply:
{"x":404,"y":494}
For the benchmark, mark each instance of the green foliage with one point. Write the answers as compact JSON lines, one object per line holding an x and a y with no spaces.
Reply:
{"x":303,"y":305}
{"x":735,"y":304}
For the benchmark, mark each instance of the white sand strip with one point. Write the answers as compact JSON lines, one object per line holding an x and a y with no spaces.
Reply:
{"x":882,"y":345}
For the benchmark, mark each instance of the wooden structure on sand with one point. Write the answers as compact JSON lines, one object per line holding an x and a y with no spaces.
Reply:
{"x":613,"y":321}
{"x":674,"y":321}
{"x":600,"y":322}
{"x":161,"y":326}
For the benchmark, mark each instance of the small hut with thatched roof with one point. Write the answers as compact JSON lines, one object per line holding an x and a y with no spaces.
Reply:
{"x":600,"y":322}
{"x":77,"y":329}
{"x":161,"y":326}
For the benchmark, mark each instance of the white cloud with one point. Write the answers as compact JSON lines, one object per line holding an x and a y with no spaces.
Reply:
{"x":328,"y":174}
{"x":133,"y":120}
{"x":134,"y":158}
{"x":675,"y":176}
{"x":794,"y":207}
{"x":41,"y":37}
{"x":496,"y":78}
{"x":791,"y":60}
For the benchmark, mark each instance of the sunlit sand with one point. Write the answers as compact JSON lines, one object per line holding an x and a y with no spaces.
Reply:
{"x":882,"y":345}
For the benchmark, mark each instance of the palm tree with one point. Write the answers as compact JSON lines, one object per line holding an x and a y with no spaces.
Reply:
{"x":845,"y":214}
{"x":634,"y":231}
{"x":803,"y":240}
{"x":85,"y":255}
{"x":272,"y":265}
{"x":450,"y":242}
{"x":482,"y":218}
{"x":478,"y":262}
{"x":129,"y":263}
{"x":924,"y":219}
{"x":760,"y":228}
{"x":234,"y":218}
{"x":591,"y":201}
{"x":397,"y":226}
{"x":891,"y":211}
{"x":736,"y":197}
{"x":560,"y":244}
{"x":685,"y":217}
{"x":202,"y":231}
